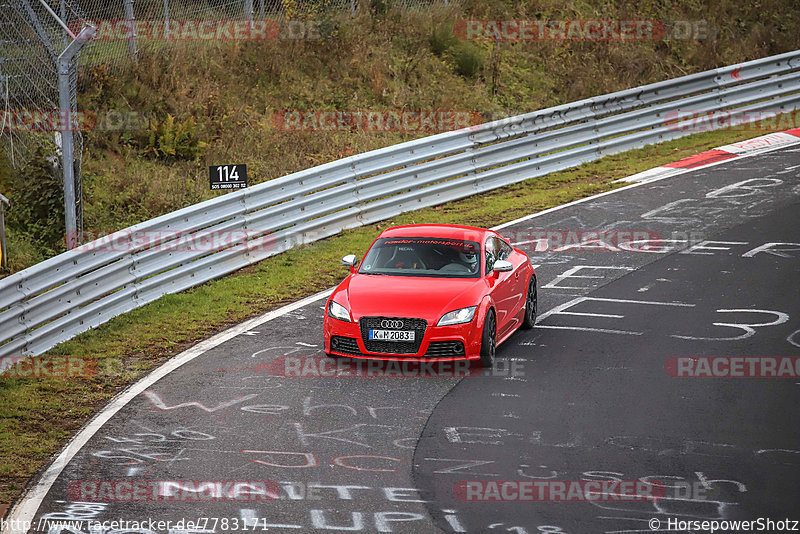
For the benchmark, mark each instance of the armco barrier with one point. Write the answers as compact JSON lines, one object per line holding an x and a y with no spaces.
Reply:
{"x":80,"y":289}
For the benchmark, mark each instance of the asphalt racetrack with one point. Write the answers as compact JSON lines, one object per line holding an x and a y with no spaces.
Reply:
{"x":588,"y":395}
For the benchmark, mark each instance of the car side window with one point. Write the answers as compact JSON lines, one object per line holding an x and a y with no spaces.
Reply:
{"x":505,"y":250}
{"x":492,"y":249}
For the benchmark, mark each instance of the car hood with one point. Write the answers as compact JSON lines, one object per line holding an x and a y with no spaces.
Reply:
{"x":407,"y":296}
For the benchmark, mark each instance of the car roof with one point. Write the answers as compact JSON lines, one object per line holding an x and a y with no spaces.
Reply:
{"x":453,"y":231}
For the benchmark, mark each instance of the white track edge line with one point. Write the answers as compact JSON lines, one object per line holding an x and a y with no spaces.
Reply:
{"x":25,"y":509}
{"x":757,"y":152}
{"x":27,"y":506}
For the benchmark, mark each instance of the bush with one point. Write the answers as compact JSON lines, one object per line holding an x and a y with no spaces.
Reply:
{"x":378,"y":8}
{"x":23,"y":251}
{"x":469,"y":59}
{"x":37,"y":203}
{"x":442,"y":39}
{"x":172,"y":140}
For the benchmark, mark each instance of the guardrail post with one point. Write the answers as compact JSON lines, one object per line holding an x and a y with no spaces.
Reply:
{"x":3,"y":251}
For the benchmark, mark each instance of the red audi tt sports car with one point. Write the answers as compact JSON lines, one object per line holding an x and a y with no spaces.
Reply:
{"x":431,"y":292}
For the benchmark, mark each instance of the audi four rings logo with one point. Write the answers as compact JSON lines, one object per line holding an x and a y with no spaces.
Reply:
{"x":387,"y":323}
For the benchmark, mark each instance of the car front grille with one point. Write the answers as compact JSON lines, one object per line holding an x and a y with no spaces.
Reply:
{"x":393,"y":347}
{"x":436,"y":349}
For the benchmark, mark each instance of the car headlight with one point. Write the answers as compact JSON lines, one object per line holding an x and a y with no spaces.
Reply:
{"x":464,"y":315}
{"x":337,"y":311}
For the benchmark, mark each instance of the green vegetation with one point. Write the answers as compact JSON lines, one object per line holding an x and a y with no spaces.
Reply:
{"x":182,"y":108}
{"x":36,"y":222}
{"x":193,"y":106}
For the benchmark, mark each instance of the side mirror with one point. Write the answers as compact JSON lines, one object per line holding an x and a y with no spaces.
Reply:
{"x":350,"y":260}
{"x":502,"y":266}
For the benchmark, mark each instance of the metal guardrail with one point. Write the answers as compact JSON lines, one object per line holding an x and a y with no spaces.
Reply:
{"x":68,"y":294}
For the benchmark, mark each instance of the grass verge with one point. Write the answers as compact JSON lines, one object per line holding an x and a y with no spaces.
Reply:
{"x":37,"y":416}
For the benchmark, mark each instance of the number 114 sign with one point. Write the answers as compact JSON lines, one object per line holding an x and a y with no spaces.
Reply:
{"x":228,"y":176}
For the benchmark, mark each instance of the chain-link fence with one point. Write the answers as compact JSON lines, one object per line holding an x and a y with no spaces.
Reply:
{"x":160,"y":22}
{"x":38,"y":75}
{"x":45,"y":43}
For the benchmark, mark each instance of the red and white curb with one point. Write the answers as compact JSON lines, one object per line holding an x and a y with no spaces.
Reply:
{"x":750,"y":147}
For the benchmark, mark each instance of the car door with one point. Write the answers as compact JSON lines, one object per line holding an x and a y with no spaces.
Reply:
{"x":518,"y":261}
{"x":503,"y":288}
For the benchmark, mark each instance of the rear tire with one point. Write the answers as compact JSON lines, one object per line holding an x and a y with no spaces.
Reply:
{"x":531,"y":302}
{"x":488,"y":340}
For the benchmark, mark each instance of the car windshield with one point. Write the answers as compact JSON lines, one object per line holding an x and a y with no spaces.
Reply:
{"x":423,"y":256}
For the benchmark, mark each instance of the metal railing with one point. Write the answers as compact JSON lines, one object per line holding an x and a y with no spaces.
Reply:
{"x":80,"y":289}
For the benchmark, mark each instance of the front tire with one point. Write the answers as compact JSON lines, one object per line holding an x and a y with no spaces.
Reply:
{"x":488,"y":340}
{"x":531,"y":302}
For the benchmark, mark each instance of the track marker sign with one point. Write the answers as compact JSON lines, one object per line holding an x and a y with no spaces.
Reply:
{"x":227,"y":176}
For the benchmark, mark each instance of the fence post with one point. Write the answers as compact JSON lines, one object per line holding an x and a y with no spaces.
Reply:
{"x":4,"y":98}
{"x":67,"y":137}
{"x":62,"y":12}
{"x":130,"y":19}
{"x":248,"y":10}
{"x":3,"y":251}
{"x":166,"y":20}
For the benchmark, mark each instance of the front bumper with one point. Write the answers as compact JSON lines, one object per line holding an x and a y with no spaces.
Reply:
{"x":454,"y":342}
